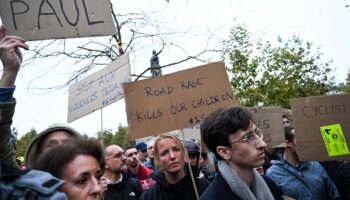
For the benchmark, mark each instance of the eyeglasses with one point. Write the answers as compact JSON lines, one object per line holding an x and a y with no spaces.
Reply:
{"x":251,"y":137}
{"x":116,"y":156}
{"x":285,"y":122}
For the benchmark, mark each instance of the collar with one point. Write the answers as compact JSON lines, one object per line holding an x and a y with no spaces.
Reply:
{"x":109,"y":182}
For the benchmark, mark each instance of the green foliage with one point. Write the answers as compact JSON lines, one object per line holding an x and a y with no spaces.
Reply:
{"x":119,"y":137}
{"x":346,"y":87}
{"x":24,"y":141}
{"x":262,"y":72}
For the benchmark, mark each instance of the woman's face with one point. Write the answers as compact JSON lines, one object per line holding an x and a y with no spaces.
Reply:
{"x":81,"y":177}
{"x":170,"y":156}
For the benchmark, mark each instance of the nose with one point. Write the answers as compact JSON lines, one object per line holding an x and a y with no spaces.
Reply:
{"x":260,"y":143}
{"x":95,"y":187}
{"x":171,"y":154}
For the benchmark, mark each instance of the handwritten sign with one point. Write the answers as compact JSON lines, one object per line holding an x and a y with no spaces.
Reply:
{"x":54,"y":19}
{"x":99,"y":89}
{"x":269,"y":120}
{"x":312,"y":115}
{"x":177,"y":100}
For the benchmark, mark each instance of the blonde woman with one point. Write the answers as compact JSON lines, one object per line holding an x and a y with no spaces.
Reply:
{"x":172,"y":181}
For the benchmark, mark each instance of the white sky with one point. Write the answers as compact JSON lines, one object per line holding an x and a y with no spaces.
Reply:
{"x":324,"y":22}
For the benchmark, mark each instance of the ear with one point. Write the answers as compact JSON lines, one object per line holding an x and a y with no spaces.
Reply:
{"x":224,"y":152}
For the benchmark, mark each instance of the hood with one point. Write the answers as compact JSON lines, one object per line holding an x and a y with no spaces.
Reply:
{"x":32,"y":150}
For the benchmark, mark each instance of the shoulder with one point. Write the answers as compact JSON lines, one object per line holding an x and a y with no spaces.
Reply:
{"x":218,"y":189}
{"x":151,"y":193}
{"x":275,"y":190}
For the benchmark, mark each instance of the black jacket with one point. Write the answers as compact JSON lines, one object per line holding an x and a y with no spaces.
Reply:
{"x":127,"y":189}
{"x":183,"y":189}
{"x":220,"y":190}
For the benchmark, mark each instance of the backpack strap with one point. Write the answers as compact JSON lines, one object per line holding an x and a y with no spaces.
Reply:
{"x":41,"y":182}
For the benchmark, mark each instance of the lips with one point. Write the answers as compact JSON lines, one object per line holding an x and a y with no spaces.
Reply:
{"x":261,"y":155}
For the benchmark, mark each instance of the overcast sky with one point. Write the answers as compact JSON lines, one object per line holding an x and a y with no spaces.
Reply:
{"x":326,"y":23}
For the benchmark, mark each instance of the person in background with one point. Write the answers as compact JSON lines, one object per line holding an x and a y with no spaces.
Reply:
{"x":285,"y":120}
{"x":172,"y":182}
{"x":142,"y":154}
{"x":79,"y":163}
{"x":234,"y":139}
{"x":55,"y":134}
{"x":339,"y":172}
{"x":136,"y":170}
{"x":300,"y":180}
{"x":119,"y":185}
{"x":207,"y":165}
{"x":150,"y":163}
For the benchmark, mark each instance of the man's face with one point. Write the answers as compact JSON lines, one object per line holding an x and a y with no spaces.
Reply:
{"x":150,"y":151}
{"x":249,"y":152}
{"x":285,"y":121}
{"x":53,"y":139}
{"x":115,"y":161}
{"x":142,"y":154}
{"x":131,"y":157}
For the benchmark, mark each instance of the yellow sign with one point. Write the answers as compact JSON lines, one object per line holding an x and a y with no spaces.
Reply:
{"x":334,"y":140}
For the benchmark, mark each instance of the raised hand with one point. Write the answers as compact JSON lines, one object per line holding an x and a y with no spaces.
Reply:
{"x":10,"y":56}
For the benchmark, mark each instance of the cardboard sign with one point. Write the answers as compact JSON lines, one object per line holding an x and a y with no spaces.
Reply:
{"x":55,"y":19}
{"x":322,"y":127}
{"x":177,"y":100}
{"x":269,"y":120}
{"x":99,"y":89}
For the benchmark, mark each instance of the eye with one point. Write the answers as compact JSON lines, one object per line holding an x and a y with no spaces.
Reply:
{"x":81,"y":181}
{"x":164,"y":153}
{"x":177,"y":149}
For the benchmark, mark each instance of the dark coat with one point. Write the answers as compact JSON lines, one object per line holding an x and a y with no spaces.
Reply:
{"x":183,"y":189}
{"x":127,"y":189}
{"x":220,"y":190}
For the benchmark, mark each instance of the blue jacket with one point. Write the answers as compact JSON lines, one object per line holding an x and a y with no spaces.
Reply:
{"x":308,"y":181}
{"x":220,"y":190}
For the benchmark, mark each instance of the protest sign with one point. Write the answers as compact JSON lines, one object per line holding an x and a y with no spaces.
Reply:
{"x":322,"y":127}
{"x":177,"y":100}
{"x":269,"y":120}
{"x":99,"y":89}
{"x":55,"y":19}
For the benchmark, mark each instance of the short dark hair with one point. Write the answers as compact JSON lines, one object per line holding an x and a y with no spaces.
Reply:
{"x":288,"y":134}
{"x":220,"y":124}
{"x":56,"y":158}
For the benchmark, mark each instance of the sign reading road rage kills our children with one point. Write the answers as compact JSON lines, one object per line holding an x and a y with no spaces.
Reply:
{"x":322,"y":127}
{"x":55,"y":19}
{"x":177,"y":100}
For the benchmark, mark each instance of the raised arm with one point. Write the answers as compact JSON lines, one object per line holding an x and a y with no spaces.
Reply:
{"x":11,"y":59}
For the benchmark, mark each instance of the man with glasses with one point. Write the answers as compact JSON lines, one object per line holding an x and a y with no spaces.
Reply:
{"x":119,"y":185}
{"x":136,"y":170}
{"x":234,"y":139}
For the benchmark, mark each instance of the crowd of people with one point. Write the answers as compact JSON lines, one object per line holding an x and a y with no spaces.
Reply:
{"x":60,"y":164}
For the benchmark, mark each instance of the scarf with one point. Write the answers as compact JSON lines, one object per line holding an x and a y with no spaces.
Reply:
{"x":240,"y":188}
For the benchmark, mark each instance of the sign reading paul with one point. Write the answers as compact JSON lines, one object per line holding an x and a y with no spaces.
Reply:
{"x":177,"y":100}
{"x":55,"y":19}
{"x":98,"y":90}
